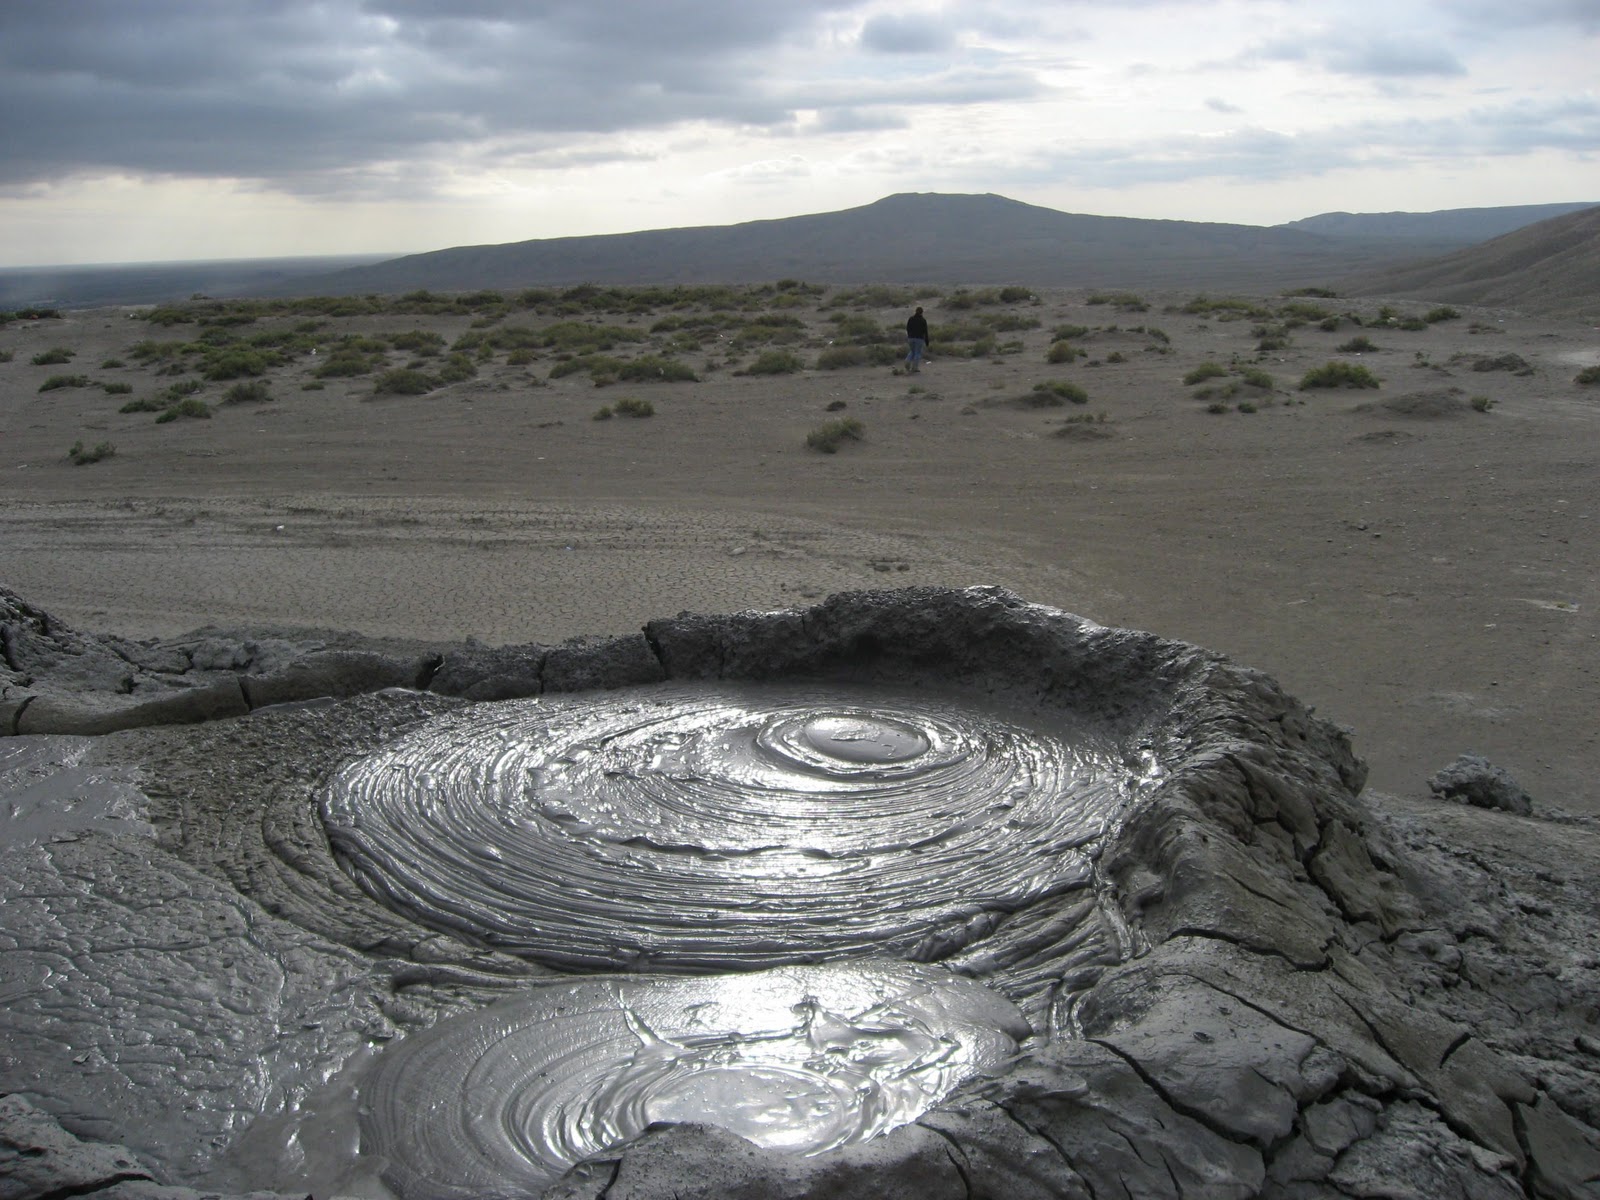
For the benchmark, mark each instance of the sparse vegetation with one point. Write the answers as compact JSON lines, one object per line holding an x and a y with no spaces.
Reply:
{"x":1588,"y":377}
{"x":1360,"y":344}
{"x":64,"y":381}
{"x":1206,"y":370}
{"x":1481,"y":404}
{"x":1338,"y":375}
{"x":117,"y":389}
{"x":54,"y":356}
{"x":254,"y":391}
{"x":1443,"y":313}
{"x":403,"y":381}
{"x":189,"y":408}
{"x":1122,"y":301}
{"x":775,"y":362}
{"x":1055,"y":392}
{"x":1514,"y":363}
{"x":632,"y":406}
{"x":828,"y":437}
{"x":836,"y":358}
{"x":603,"y":413}
{"x":1064,"y":352}
{"x":79,"y":455}
{"x":111,"y":364}
{"x":143,"y":405}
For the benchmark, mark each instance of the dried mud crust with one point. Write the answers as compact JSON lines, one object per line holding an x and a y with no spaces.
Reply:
{"x":1298,"y":991}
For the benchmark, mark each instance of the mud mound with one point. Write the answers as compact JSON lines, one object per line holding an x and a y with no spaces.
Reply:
{"x":1235,"y":979}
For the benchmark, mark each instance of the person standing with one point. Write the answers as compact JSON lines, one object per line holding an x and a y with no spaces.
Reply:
{"x":917,"y":340}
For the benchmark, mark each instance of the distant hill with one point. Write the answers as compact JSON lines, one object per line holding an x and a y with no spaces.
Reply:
{"x":162,"y":282}
{"x":1461,"y":226}
{"x":906,"y":238}
{"x":1552,"y":268}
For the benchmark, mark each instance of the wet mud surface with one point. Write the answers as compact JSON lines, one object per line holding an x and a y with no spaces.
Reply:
{"x":720,"y":828}
{"x":639,"y":917}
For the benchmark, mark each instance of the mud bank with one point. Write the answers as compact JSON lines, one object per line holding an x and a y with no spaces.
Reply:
{"x":1230,"y":973}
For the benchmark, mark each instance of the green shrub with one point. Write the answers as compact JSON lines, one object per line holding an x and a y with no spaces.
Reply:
{"x":1256,"y":377}
{"x":1411,"y":324}
{"x":343,"y":364}
{"x":191,"y":407}
{"x":1443,"y":313}
{"x":64,"y":381}
{"x":603,"y":413}
{"x":117,"y":389}
{"x":632,"y":406}
{"x":1055,"y":392}
{"x":1587,"y":377}
{"x":418,"y":341}
{"x":1245,"y":406}
{"x":1338,"y":374}
{"x":1015,"y":295}
{"x":5,"y":356}
{"x":53,"y":356}
{"x":254,"y":391}
{"x":80,"y":456}
{"x":1216,"y":406}
{"x":236,"y":364}
{"x":520,"y":358}
{"x":654,"y":369}
{"x":457,"y":367}
{"x":1063,"y":352}
{"x":1330,"y":324}
{"x":836,"y":358}
{"x":1205,"y":371}
{"x":111,"y":364}
{"x":1481,"y":403}
{"x":1357,"y":345}
{"x":775,"y":362}
{"x":828,"y":437}
{"x":402,"y":381}
{"x":1116,"y":356}
{"x":1504,"y":362}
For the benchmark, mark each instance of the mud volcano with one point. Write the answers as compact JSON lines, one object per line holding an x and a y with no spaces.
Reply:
{"x":914,"y":894}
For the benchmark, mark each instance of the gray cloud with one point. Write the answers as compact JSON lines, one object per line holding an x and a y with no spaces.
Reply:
{"x":906,"y":35}
{"x":1366,"y":55}
{"x":1264,"y":155}
{"x":290,"y":90}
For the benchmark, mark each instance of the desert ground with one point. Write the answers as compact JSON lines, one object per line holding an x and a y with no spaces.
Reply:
{"x":1417,"y":560}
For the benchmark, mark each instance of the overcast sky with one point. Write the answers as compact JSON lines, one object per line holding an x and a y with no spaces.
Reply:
{"x":138,"y":130}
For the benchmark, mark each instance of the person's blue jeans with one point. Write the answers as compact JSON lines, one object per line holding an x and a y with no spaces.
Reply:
{"x":914,"y":357}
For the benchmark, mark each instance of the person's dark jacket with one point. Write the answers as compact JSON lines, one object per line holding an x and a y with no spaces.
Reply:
{"x":917,"y":327}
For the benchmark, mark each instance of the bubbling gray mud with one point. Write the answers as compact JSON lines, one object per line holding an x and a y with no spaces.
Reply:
{"x":800,"y":1059}
{"x":720,"y":828}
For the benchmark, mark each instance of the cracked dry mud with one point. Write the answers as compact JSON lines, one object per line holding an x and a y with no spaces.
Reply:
{"x":1262,"y":982}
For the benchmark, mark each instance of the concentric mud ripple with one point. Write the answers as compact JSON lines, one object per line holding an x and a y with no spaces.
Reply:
{"x":802,"y":1059}
{"x":709,"y":829}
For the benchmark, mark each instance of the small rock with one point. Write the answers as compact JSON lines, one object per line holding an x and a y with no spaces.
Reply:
{"x":1476,"y":781}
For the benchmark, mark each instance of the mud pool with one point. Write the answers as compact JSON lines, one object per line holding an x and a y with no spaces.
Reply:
{"x":714,"y":828}
{"x":802,"y":1059}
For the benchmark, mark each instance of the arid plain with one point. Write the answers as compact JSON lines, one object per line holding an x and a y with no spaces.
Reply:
{"x":1416,"y":559}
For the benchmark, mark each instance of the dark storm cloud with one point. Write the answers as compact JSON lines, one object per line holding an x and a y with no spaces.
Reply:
{"x":297,"y":89}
